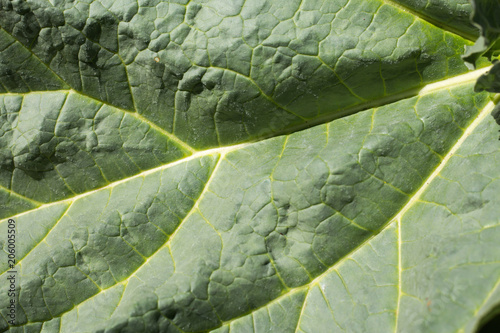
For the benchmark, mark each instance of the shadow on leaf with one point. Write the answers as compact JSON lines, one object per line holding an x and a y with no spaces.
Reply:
{"x":496,"y":115}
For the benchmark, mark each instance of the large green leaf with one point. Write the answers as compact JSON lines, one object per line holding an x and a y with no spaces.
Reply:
{"x":246,"y":166}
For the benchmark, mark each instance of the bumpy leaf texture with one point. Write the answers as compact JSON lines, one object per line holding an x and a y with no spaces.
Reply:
{"x":246,"y":166}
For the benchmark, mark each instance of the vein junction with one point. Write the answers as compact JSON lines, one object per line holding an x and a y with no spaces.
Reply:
{"x":265,"y":208}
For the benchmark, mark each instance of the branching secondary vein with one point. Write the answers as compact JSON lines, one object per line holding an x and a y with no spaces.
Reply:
{"x":197,"y":155}
{"x":166,"y":245}
{"x":485,"y":112}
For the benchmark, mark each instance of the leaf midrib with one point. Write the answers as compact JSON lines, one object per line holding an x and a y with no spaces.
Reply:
{"x":224,"y":150}
{"x":307,"y":123}
{"x":427,"y":89}
{"x":446,"y":84}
